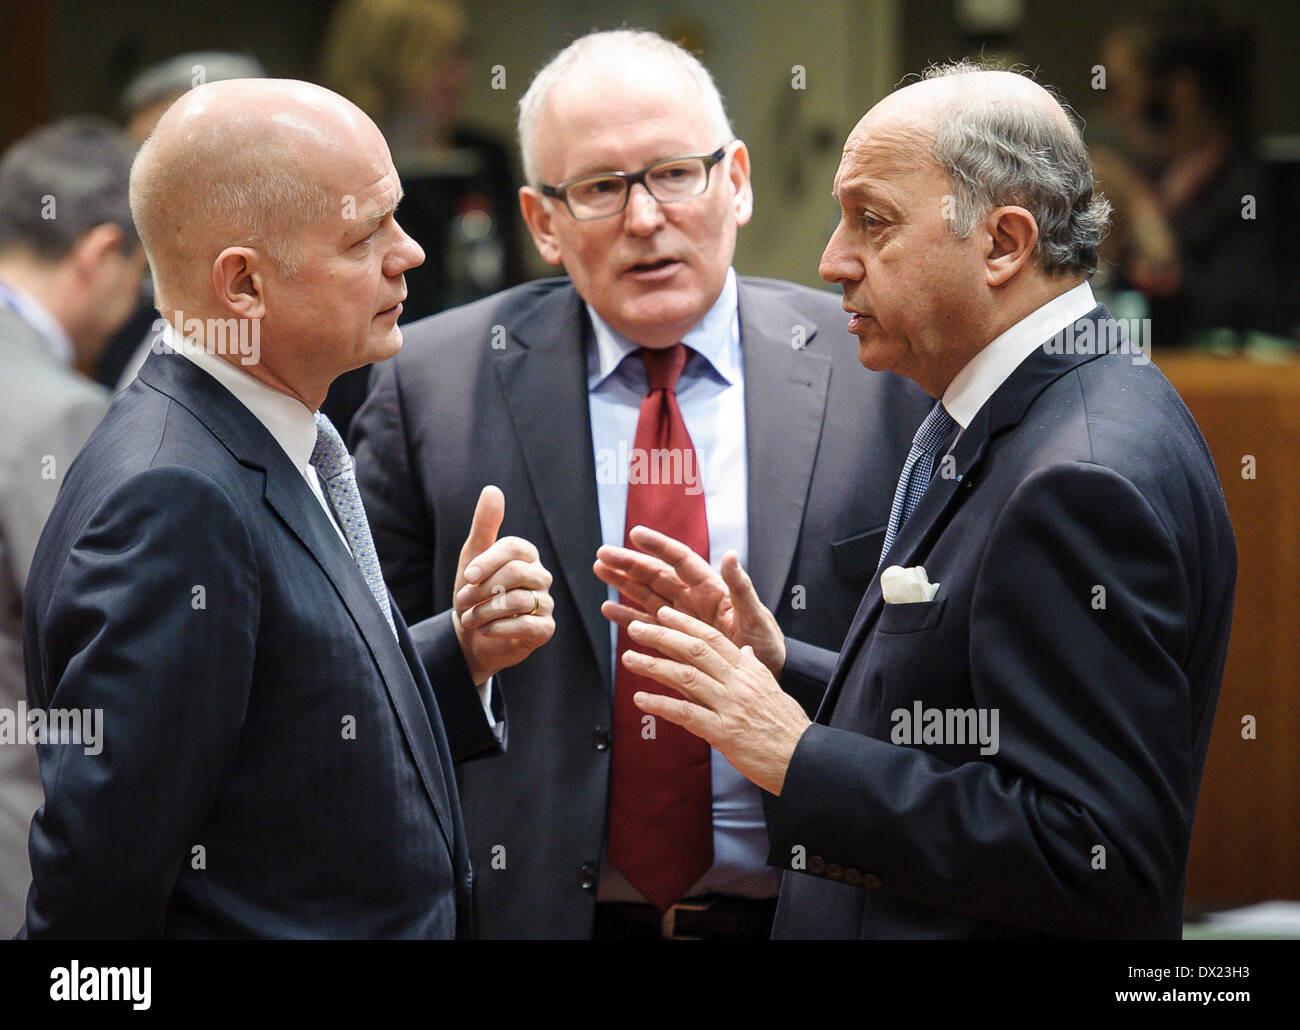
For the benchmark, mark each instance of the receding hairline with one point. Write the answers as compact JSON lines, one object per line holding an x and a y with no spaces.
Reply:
{"x":217,"y":172}
{"x":600,"y":53}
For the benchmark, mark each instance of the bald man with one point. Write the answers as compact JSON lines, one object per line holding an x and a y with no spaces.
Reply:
{"x":266,"y":755}
{"x":1012,"y":736}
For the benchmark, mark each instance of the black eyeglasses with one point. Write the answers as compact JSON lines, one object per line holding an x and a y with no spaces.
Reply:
{"x":605,"y":195}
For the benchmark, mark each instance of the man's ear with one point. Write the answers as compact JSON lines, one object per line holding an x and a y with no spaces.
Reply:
{"x":738,"y":172}
{"x":1012,"y":235}
{"x":540,"y":221}
{"x":90,"y":253}
{"x":238,"y":282}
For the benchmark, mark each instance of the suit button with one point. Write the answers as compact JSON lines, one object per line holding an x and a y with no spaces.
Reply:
{"x":871,"y":881}
{"x":817,"y":865}
{"x":853,"y":877}
{"x":587,"y":876}
{"x":834,"y":872}
{"x":600,"y":738}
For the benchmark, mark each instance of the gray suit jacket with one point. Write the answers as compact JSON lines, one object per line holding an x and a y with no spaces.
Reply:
{"x":496,"y":392}
{"x":46,"y":413}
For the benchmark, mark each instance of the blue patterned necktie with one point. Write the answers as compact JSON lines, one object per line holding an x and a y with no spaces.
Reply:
{"x":934,"y":431}
{"x":333,"y":467}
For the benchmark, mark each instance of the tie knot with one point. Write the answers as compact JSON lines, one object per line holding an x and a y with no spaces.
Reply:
{"x":663,"y":366}
{"x":934,"y":430}
{"x":330,"y":455}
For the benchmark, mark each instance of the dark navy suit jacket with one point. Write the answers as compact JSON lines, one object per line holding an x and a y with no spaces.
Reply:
{"x":273,"y":763}
{"x":1086,"y":566}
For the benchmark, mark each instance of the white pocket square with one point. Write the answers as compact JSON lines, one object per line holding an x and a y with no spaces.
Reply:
{"x":906,"y":586}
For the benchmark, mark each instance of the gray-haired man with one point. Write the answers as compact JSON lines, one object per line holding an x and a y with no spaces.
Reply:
{"x":780,"y":447}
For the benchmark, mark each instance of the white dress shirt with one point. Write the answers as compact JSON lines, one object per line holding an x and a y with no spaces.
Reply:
{"x":971,"y":388}
{"x":711,"y":396}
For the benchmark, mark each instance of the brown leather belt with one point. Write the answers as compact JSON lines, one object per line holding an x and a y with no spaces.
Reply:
{"x":710,"y":917}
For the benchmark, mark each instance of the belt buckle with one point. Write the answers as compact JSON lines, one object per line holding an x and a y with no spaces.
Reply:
{"x":668,"y":923}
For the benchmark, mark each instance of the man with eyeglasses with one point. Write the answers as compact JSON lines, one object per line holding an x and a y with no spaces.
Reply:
{"x":652,"y":386}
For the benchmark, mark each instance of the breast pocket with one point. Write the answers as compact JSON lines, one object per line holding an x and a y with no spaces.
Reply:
{"x":912,"y":618}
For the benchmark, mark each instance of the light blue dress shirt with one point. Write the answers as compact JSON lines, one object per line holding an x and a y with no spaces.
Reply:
{"x":711,"y":396}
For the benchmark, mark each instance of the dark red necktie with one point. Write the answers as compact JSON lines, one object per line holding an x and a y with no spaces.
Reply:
{"x":661,"y":786}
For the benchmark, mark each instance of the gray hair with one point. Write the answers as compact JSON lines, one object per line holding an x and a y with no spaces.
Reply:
{"x":1000,"y":153}
{"x":625,"y":40}
{"x":61,"y":181}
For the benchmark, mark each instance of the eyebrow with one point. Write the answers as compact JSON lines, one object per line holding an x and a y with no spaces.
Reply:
{"x":866,"y":193}
{"x":370,"y":223}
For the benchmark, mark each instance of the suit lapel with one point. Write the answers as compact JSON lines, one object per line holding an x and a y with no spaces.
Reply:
{"x":287,"y":494}
{"x":544,"y":380}
{"x":1005,"y":409}
{"x":792,"y":381}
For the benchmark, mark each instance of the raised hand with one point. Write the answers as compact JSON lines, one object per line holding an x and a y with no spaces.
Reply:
{"x":501,"y":607}
{"x":663,"y":571}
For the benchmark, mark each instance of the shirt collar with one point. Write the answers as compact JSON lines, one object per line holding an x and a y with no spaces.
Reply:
{"x":990,"y":368}
{"x":39,"y":317}
{"x":716,"y":337}
{"x":287,"y":419}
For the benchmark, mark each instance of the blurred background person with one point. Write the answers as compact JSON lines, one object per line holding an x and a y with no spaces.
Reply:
{"x":69,"y":264}
{"x":145,"y":99}
{"x":406,"y":64}
{"x":1174,"y":151}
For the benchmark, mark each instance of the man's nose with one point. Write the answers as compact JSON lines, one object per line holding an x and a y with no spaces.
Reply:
{"x":406,"y":255}
{"x":837,"y":264}
{"x":643,"y":213}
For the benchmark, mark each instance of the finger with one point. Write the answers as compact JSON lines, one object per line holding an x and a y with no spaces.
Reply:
{"x":690,"y":717}
{"x":687,"y":680}
{"x":508,"y":604}
{"x":530,"y":630}
{"x":744,"y":598}
{"x":507,"y":549}
{"x":649,"y":572}
{"x":686,"y":563}
{"x":685,"y":649}
{"x":671,"y":618}
{"x":515,"y":574}
{"x":624,"y":615}
{"x":488,"y":516}
{"x":637,"y":593}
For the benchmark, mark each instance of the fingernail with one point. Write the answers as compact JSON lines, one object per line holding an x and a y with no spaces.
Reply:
{"x":473,"y":573}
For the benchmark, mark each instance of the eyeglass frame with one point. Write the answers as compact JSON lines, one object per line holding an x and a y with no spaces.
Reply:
{"x":631,"y":179}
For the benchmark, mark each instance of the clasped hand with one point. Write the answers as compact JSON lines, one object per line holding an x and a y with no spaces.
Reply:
{"x":721,"y":650}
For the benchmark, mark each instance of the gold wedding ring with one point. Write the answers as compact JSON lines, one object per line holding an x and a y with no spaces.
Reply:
{"x":537,"y":602}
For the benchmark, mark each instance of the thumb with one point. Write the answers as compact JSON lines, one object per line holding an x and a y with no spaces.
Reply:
{"x":744,"y":598}
{"x":488,"y":516}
